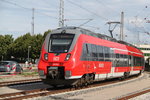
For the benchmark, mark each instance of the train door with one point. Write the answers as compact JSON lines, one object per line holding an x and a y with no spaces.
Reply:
{"x":131,"y":64}
{"x":86,"y":57}
{"x":113,"y":61}
{"x":89,"y":58}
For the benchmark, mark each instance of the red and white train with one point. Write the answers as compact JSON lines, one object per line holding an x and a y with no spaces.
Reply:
{"x":76,"y":56}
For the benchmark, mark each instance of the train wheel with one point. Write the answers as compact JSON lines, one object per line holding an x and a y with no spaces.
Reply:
{"x":79,"y":83}
{"x":85,"y":81}
{"x":126,"y":74}
{"x":92,"y":78}
{"x":89,"y":78}
{"x":139,"y":73}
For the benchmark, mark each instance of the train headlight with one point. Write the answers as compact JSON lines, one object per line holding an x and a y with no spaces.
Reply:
{"x":68,"y":73}
{"x":46,"y":56}
{"x":67,"y":57}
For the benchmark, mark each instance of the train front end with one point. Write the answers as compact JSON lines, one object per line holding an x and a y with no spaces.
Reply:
{"x":57,"y":58}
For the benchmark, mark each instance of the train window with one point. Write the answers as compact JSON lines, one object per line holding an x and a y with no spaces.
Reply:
{"x":117,"y":60}
{"x":90,"y":52}
{"x":140,"y":60}
{"x":134,"y":61}
{"x":84,"y":52}
{"x":130,"y":60}
{"x":137,"y":61}
{"x":121,"y":62}
{"x":107,"y":53}
{"x":94,"y":52}
{"x":125,"y":60}
{"x":100,"y":53}
{"x":112,"y":58}
{"x":87,"y":50}
{"x":60,"y":43}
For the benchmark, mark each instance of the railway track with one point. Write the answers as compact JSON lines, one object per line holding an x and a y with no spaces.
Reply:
{"x":50,"y":91}
{"x":31,"y":94}
{"x":19,"y":82}
{"x":134,"y":95}
{"x":23,"y":94}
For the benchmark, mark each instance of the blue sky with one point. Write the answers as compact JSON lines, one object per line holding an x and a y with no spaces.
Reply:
{"x":16,"y":16}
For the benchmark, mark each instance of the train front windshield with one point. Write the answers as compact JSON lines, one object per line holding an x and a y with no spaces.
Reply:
{"x":60,"y":43}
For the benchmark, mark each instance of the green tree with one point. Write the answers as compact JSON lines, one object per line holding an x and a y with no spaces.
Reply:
{"x":36,"y":46}
{"x":5,"y":42}
{"x":45,"y":34}
{"x":20,"y":46}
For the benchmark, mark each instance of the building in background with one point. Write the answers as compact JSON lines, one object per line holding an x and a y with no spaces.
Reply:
{"x":146,"y":50}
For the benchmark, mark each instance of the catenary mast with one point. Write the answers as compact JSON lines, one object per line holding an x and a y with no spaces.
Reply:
{"x":61,"y":13}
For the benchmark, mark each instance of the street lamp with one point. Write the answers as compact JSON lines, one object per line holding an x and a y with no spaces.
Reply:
{"x":28,"y":52}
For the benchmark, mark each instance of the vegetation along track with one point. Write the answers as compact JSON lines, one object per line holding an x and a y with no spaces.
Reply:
{"x":19,"y":82}
{"x":50,"y":91}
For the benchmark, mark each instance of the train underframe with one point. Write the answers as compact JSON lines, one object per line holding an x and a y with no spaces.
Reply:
{"x":56,"y":77}
{"x":84,"y":80}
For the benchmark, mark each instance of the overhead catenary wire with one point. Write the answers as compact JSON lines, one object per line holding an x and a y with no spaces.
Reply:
{"x":141,"y":11}
{"x":75,"y":19}
{"x":85,"y":22}
{"x":86,"y":9}
{"x":30,"y":9}
{"x":137,"y":16}
{"x":15,"y":4}
{"x":106,"y":6}
{"x":47,"y":2}
{"x":139,"y":23}
{"x":97,"y":28}
{"x":145,"y":18}
{"x":141,"y":27}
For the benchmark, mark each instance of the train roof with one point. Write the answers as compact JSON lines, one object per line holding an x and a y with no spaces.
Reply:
{"x":98,"y":35}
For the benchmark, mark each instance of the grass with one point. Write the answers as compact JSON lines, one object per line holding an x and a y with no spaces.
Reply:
{"x":29,"y":73}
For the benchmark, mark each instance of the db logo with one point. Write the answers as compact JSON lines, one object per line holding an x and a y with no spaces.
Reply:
{"x":56,"y":58}
{"x":101,"y":65}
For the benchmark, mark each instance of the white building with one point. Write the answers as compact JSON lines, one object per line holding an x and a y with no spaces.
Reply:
{"x":145,"y":49}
